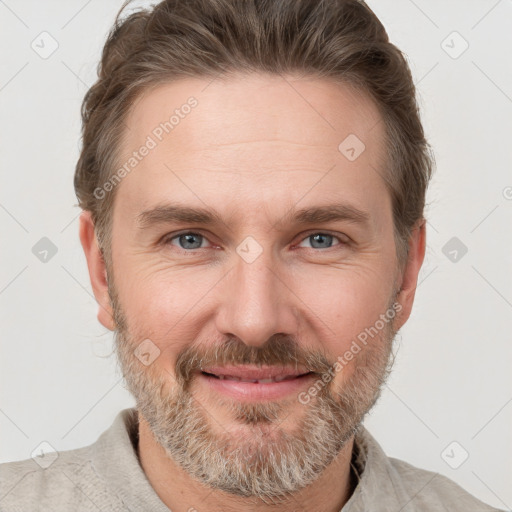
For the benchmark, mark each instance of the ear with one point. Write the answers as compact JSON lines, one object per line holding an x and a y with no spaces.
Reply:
{"x":417,"y":244}
{"x":97,"y":269}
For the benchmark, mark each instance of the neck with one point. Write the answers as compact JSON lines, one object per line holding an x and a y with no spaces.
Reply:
{"x":182,"y":493}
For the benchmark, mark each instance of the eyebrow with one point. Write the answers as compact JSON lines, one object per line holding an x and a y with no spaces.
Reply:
{"x":327,"y":213}
{"x":166,"y":214}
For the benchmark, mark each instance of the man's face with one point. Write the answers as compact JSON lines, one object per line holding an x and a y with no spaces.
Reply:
{"x":258,"y":286}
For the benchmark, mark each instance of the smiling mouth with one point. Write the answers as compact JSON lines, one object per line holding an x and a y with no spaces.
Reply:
{"x":268,"y":380}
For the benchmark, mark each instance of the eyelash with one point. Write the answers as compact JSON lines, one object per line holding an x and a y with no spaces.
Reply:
{"x":342,"y":243}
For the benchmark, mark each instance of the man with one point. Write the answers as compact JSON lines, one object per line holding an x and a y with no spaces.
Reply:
{"x":281,"y":140}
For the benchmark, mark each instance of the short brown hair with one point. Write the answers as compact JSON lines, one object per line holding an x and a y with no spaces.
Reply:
{"x":341,"y":40}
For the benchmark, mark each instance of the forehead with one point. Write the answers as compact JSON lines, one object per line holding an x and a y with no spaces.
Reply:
{"x":253,"y":139}
{"x":253,"y":108}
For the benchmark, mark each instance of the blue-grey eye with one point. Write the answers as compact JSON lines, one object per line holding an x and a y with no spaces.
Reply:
{"x":189,"y":240}
{"x":320,"y":240}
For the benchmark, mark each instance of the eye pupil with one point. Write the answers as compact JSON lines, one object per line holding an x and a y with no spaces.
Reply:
{"x":321,"y":239}
{"x":187,"y":239}
{"x":193,"y":241}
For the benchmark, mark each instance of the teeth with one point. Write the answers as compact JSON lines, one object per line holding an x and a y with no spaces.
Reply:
{"x":238,"y":379}
{"x":227,"y":377}
{"x":259,"y":381}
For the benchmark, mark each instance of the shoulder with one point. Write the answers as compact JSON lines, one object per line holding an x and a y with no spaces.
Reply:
{"x":64,"y":481}
{"x":433,"y":491}
{"x":388,"y":483}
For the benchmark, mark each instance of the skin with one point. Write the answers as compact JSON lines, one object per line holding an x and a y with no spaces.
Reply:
{"x":255,"y":148}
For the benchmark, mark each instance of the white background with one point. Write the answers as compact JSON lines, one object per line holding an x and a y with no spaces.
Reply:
{"x":452,"y":378}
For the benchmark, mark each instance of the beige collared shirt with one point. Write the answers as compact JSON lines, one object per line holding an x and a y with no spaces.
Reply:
{"x":107,"y":476}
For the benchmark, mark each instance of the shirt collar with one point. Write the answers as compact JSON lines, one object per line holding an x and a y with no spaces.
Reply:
{"x":116,"y":461}
{"x":376,"y":488}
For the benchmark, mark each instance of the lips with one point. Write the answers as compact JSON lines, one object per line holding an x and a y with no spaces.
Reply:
{"x":256,"y":375}
{"x":252,"y":383}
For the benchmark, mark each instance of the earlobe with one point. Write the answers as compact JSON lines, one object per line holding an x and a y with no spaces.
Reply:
{"x":97,"y":269}
{"x":417,"y":245}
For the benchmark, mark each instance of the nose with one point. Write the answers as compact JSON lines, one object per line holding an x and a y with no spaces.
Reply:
{"x":256,"y":303}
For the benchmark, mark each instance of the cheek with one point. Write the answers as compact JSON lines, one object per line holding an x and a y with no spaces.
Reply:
{"x":345,"y":301}
{"x":160,"y":295}
{"x":343,"y":314}
{"x":164,"y":306}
